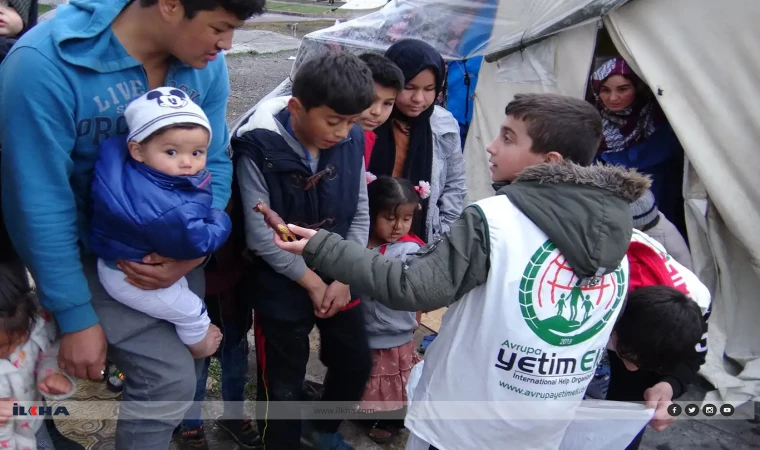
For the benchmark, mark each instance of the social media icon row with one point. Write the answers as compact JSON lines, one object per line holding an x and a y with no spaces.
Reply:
{"x":708,"y":409}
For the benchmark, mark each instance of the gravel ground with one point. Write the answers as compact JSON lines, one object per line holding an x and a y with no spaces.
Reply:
{"x":252,"y":77}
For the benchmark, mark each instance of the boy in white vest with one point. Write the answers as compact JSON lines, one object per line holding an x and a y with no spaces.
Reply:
{"x":510,"y":365}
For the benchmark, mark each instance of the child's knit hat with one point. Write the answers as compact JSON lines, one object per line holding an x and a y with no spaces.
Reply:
{"x":647,"y":267}
{"x":644,"y":210}
{"x":161,"y":108}
{"x":23,"y":8}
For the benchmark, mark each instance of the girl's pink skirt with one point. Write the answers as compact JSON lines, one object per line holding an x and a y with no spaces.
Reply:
{"x":386,"y":388}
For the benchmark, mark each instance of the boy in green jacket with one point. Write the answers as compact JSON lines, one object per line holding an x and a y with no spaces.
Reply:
{"x":559,"y":227}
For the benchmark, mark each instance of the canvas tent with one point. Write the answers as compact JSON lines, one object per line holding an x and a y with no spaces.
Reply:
{"x":697,"y":55}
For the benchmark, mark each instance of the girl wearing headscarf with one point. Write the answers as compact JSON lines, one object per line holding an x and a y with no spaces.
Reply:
{"x":420,"y":142}
{"x":638,"y":135}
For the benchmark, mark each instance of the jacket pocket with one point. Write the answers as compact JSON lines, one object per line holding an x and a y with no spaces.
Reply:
{"x":381,"y":319}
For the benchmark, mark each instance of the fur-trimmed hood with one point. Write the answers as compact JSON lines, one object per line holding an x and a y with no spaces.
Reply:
{"x":584,"y":210}
{"x":628,"y":184}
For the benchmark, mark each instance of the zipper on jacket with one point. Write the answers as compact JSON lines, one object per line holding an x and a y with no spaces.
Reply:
{"x":169,"y":73}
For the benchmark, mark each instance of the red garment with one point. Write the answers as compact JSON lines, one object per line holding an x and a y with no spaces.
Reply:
{"x":369,"y":143}
{"x":649,"y":268}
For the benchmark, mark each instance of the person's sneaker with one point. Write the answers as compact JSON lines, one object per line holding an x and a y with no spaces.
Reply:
{"x":426,"y":341}
{"x":311,"y":391}
{"x":326,"y":441}
{"x":193,"y":439}
{"x":242,"y":432}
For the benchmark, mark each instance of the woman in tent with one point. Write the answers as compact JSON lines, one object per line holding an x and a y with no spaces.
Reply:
{"x":637,"y":135}
{"x":420,"y":142}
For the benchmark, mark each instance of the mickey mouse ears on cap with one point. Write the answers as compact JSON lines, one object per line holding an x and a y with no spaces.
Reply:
{"x":161,"y":108}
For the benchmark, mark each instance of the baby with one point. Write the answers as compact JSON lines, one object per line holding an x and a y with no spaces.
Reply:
{"x":14,"y":15}
{"x":11,"y":22}
{"x":28,"y":362}
{"x":151,"y":193}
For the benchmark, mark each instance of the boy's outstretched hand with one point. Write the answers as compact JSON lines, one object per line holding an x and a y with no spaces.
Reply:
{"x":295,"y":247}
{"x":659,"y":397}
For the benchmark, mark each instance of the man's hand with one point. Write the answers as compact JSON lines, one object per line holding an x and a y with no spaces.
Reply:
{"x":316,"y":289}
{"x":83,"y":353}
{"x":55,"y":384}
{"x":6,"y":410}
{"x":296,"y":247}
{"x":659,"y":397}
{"x":156,"y":271}
{"x":337,"y":296}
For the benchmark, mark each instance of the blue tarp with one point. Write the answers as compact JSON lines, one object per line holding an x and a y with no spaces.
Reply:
{"x":463,"y":74}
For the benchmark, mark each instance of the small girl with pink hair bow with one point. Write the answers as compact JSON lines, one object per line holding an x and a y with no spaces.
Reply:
{"x":393,"y":205}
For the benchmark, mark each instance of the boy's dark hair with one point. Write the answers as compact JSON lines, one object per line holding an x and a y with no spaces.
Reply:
{"x":17,"y":305}
{"x":176,"y":126}
{"x":242,"y":9}
{"x":387,"y":194}
{"x":340,"y":81}
{"x":659,"y":328}
{"x":557,"y":123}
{"x":384,"y":71}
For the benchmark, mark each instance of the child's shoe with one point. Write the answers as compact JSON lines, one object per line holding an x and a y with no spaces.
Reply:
{"x":193,"y":439}
{"x":242,"y":432}
{"x":327,"y":441}
{"x":383,"y":431}
{"x":426,"y":341}
{"x":311,"y":391}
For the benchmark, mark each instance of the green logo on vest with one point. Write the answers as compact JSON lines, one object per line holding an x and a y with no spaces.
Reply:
{"x":558,"y":311}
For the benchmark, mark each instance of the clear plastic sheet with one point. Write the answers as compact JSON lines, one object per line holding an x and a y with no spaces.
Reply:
{"x":458,"y":29}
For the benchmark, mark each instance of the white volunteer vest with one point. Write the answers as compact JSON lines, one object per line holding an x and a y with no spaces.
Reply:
{"x":514,"y":356}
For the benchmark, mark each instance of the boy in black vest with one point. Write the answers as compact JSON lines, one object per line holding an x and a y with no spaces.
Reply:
{"x":303,"y":155}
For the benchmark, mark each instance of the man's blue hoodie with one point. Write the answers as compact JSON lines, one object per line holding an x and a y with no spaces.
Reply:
{"x":63,"y":90}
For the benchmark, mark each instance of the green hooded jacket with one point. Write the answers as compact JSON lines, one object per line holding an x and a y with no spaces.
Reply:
{"x":583,"y":210}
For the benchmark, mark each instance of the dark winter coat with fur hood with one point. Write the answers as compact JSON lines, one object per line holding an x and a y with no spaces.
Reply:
{"x":583,"y":210}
